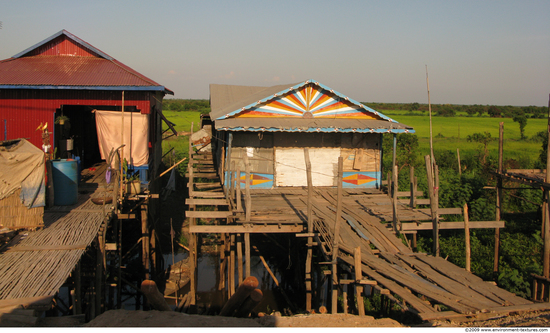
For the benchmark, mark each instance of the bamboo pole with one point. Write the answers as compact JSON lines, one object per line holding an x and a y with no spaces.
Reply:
{"x":430,"y":114}
{"x":335,"y":246}
{"x":467,"y":236}
{"x":413,"y":184}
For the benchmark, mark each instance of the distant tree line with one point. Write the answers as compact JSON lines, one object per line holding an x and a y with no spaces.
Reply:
{"x":451,"y":110}
{"x":176,"y":104}
{"x":520,"y":113}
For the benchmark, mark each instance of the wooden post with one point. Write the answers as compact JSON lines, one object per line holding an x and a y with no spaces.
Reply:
{"x":78,"y":289}
{"x":546,"y":256}
{"x":247,"y":189}
{"x":230,"y":182}
{"x":238,"y":187}
{"x":499,"y":198}
{"x":309,"y":257}
{"x":358,"y":277}
{"x":467,"y":236}
{"x":145,"y":241}
{"x":239,"y":259}
{"x":223,"y":261}
{"x":335,"y":246}
{"x":395,"y":184}
{"x":99,"y":275}
{"x":232,"y":266}
{"x":458,"y":158}
{"x":413,"y":184}
{"x":192,"y":239}
{"x":435,"y":219}
{"x":247,"y":254}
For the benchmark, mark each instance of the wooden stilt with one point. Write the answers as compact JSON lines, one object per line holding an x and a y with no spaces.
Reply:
{"x":223,"y":262}
{"x":248,"y":198}
{"x":309,"y":256}
{"x":467,"y":236}
{"x":238,"y":189}
{"x":239,"y":259}
{"x":335,"y":247}
{"x":232,"y":266}
{"x":413,"y":184}
{"x":358,"y":277}
{"x":247,"y":254}
{"x":145,"y":242}
{"x":77,"y":305}
{"x":499,"y":199}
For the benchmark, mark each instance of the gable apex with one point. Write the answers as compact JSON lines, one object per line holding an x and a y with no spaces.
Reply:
{"x":308,"y":99}
{"x":79,"y":42}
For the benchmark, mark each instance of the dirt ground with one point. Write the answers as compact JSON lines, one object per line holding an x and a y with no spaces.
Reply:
{"x":125,"y":318}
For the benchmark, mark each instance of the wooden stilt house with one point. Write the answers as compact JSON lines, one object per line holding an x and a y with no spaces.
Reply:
{"x":272,"y":125}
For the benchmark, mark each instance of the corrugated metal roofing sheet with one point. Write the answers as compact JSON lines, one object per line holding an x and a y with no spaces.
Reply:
{"x":311,"y":125}
{"x":69,"y":71}
{"x":227,"y":101}
{"x":32,"y":69}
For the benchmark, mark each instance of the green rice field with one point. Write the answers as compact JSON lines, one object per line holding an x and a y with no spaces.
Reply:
{"x":449,"y":133}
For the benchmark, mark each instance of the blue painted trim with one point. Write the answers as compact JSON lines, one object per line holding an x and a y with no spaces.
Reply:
{"x":319,"y":130}
{"x":300,"y":85}
{"x":117,"y":88}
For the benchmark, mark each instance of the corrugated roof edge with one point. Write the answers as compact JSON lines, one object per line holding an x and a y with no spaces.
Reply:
{"x":120,"y":88}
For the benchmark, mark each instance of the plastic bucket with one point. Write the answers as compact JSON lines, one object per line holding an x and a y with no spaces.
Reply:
{"x":65,"y":182}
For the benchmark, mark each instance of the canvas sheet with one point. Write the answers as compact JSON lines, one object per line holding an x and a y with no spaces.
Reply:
{"x":136,"y":135}
{"x":22,"y":166}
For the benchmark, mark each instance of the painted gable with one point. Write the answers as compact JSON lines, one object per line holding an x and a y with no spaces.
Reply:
{"x":309,"y":99}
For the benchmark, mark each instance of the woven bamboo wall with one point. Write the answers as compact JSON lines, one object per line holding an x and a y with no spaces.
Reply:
{"x":14,"y":215}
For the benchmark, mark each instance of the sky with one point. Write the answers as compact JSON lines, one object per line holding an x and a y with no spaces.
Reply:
{"x":475,"y":52}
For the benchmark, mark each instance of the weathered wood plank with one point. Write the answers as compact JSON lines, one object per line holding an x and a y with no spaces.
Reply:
{"x":243,"y":229}
{"x":452,"y":225}
{"x":211,"y":202}
{"x":208,"y":214}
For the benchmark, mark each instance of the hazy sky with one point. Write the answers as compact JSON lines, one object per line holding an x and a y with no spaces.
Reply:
{"x":477,"y":52}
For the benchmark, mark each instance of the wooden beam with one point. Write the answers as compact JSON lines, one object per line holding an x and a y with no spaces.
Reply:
{"x":208,"y":214}
{"x":254,"y":229}
{"x":452,"y":225}
{"x":210,"y":202}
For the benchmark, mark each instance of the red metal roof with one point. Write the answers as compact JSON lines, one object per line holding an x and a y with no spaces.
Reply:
{"x":64,"y":60}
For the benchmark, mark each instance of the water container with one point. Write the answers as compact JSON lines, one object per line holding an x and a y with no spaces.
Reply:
{"x":65,"y":182}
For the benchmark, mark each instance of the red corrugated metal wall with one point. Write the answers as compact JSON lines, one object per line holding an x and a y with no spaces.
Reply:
{"x":22,"y":111}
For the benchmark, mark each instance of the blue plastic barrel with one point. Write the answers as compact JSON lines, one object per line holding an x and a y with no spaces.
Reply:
{"x":65,"y":182}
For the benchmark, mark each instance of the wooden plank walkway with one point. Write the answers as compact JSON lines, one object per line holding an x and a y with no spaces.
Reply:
{"x":41,"y":261}
{"x":420,"y":283}
{"x":416,"y":278}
